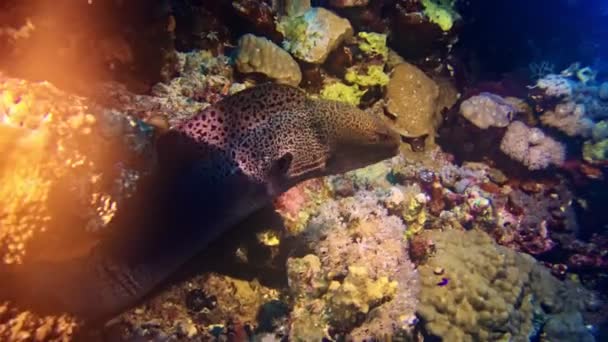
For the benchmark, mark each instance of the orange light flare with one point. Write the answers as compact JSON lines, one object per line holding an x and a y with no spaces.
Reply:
{"x":53,"y":174}
{"x":56,"y":170}
{"x":72,"y":43}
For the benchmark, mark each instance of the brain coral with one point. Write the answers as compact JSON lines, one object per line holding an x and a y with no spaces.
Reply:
{"x":475,"y":290}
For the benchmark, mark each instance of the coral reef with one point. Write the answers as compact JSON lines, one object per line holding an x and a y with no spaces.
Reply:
{"x":532,"y":147}
{"x":26,"y":326}
{"x":260,"y":55}
{"x":314,"y":34}
{"x":473,"y":289}
{"x":486,"y":109}
{"x":439,"y":242}
{"x":205,"y":307}
{"x":411,"y":102}
{"x":366,"y":284}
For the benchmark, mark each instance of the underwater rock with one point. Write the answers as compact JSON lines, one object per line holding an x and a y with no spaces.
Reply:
{"x":416,"y":37}
{"x":259,"y":15}
{"x":532,"y":147}
{"x":535,"y":222}
{"x":260,"y":55}
{"x":411,"y":102}
{"x":311,"y":36}
{"x":296,"y":7}
{"x":198,"y":27}
{"x":567,"y":327}
{"x":339,"y":61}
{"x":312,"y":77}
{"x":488,"y":292}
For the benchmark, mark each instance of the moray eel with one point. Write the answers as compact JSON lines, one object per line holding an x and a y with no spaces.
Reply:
{"x":214,"y":170}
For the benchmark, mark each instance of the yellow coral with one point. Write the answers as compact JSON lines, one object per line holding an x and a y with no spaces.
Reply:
{"x":339,"y":91}
{"x":375,"y":75}
{"x":357,"y":294}
{"x":414,"y":214}
{"x":269,"y":238}
{"x":373,"y":43}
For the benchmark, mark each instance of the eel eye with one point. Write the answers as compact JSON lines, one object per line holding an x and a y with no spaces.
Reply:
{"x":282,"y":164}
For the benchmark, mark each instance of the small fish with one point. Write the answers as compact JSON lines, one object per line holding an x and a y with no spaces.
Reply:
{"x":443,"y":282}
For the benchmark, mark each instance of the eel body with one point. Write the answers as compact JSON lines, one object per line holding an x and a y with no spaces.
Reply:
{"x":214,"y":170}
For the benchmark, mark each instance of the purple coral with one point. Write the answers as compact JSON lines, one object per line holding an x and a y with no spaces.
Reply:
{"x":532,"y":147}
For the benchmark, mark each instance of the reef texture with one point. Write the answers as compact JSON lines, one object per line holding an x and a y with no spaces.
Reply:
{"x":486,"y":109}
{"x":437,"y":243}
{"x":532,"y":147}
{"x":411,"y":101}
{"x":368,"y":282}
{"x":474,"y":290}
{"x":260,"y":55}
{"x":312,"y":35}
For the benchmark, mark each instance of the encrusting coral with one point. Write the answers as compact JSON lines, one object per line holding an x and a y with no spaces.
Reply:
{"x":411,"y":101}
{"x":260,"y":55}
{"x":475,"y":290}
{"x":312,"y":35}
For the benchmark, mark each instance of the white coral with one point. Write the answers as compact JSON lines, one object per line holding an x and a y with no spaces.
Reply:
{"x":555,"y":85}
{"x":569,"y":117}
{"x":532,"y":147}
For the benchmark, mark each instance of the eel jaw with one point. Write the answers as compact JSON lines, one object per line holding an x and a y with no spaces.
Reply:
{"x":361,"y":149}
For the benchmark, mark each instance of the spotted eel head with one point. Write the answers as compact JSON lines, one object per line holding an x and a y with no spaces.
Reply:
{"x":354,"y":138}
{"x":275,"y":135}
